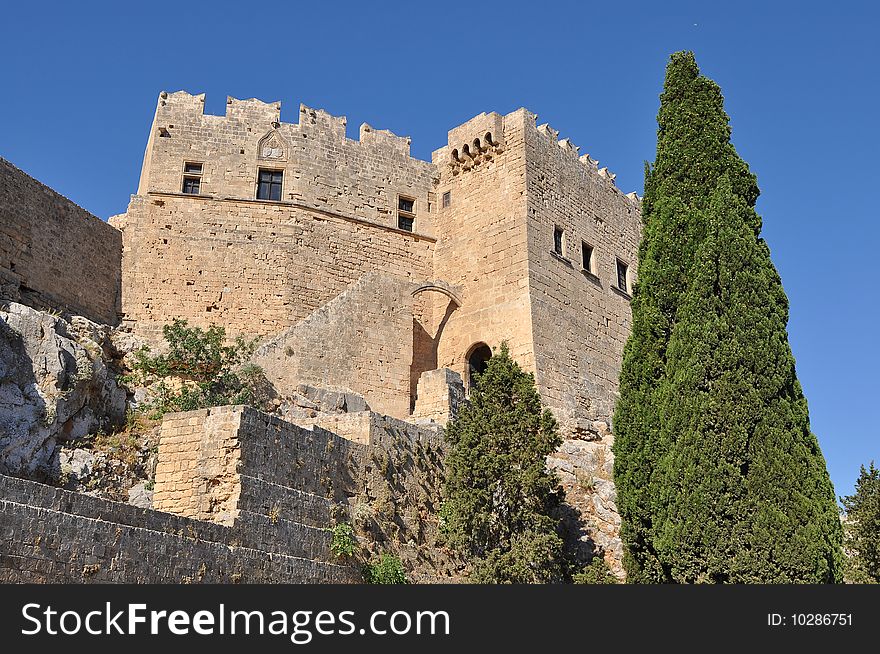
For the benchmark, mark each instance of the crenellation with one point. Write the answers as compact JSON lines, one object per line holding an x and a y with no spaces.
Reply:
{"x":252,"y":110}
{"x":383,"y":139}
{"x":181,"y":102}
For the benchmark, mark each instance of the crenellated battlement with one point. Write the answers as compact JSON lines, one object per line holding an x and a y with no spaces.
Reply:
{"x":180,"y":107}
{"x":383,"y":138}
{"x":565,"y":144}
{"x":469,"y":145}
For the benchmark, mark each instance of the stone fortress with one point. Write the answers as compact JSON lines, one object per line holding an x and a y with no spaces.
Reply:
{"x":374,"y":279}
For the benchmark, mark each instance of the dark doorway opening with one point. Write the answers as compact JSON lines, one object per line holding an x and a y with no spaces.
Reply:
{"x":478,"y":361}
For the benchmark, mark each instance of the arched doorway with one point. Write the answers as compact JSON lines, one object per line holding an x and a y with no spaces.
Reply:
{"x":478,"y":361}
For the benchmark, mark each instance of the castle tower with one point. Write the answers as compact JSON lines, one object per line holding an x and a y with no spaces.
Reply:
{"x":482,"y":245}
{"x":543,"y":246}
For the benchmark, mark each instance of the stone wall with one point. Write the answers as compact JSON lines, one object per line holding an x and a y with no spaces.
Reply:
{"x":240,"y":467}
{"x":580,"y":318}
{"x":510,"y":183}
{"x":226,"y":464}
{"x":362,"y":341}
{"x":54,"y":254}
{"x":439,"y":395}
{"x":322,"y":168}
{"x":240,"y":496}
{"x":48,"y":535}
{"x":481,"y":246}
{"x":253,"y":266}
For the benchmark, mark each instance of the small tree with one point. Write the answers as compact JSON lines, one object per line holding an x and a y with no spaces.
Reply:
{"x":861,"y":528}
{"x":199,"y":369}
{"x":500,"y":496}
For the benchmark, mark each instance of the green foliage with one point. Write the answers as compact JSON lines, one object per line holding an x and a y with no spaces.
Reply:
{"x":718,"y":476}
{"x":198,"y":370}
{"x":861,"y":528}
{"x":500,"y":497}
{"x":343,"y":542}
{"x":387,"y":570}
{"x":595,"y":572}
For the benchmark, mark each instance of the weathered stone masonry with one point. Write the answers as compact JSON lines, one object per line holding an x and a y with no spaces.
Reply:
{"x":54,"y":254}
{"x":368,"y":271}
{"x":240,"y":496}
{"x":485,"y":211}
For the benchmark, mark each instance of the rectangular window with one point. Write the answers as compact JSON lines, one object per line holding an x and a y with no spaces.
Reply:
{"x":406,"y":218}
{"x":587,"y":256}
{"x":558,"y":241}
{"x":192,"y":185}
{"x":621,"y":276}
{"x":447,"y":199}
{"x":405,"y":204}
{"x":269,"y":184}
{"x":192,"y":178}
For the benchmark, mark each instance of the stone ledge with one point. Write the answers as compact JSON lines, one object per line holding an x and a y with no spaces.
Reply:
{"x":593,"y":277}
{"x":561,"y":258}
{"x":620,"y":291}
{"x":419,"y":236}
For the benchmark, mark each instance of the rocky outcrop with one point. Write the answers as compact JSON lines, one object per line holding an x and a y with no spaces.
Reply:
{"x":56,"y":386}
{"x":585,"y":465}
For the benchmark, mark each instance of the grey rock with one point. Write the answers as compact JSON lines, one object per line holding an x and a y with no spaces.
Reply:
{"x":328,"y":400}
{"x":78,"y":462}
{"x":560,"y":464}
{"x":139,"y":496}
{"x":55,"y":386}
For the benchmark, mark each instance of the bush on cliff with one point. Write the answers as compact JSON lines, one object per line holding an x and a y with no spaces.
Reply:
{"x":198,"y":370}
{"x":499,"y":495}
{"x":719,"y":478}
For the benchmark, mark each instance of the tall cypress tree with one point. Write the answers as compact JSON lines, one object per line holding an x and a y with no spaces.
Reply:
{"x":676,"y":444}
{"x":743,"y":492}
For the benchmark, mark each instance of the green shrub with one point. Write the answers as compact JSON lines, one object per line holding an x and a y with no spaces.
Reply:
{"x":199,"y":370}
{"x":387,"y":570}
{"x":500,"y":499}
{"x":596,"y":572}
{"x":343,"y":541}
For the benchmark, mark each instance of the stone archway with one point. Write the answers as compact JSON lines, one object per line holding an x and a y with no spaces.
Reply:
{"x":433,"y":305}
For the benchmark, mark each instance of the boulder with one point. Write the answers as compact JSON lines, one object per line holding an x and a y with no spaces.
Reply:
{"x":55,"y":387}
{"x":139,"y":496}
{"x":331,"y":400}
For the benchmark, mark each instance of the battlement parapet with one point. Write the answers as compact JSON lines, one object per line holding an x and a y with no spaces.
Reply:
{"x":384,"y":139}
{"x":183,"y":107}
{"x":591,"y":165}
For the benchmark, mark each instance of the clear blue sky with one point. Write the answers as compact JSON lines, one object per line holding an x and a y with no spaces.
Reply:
{"x":79,"y":82}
